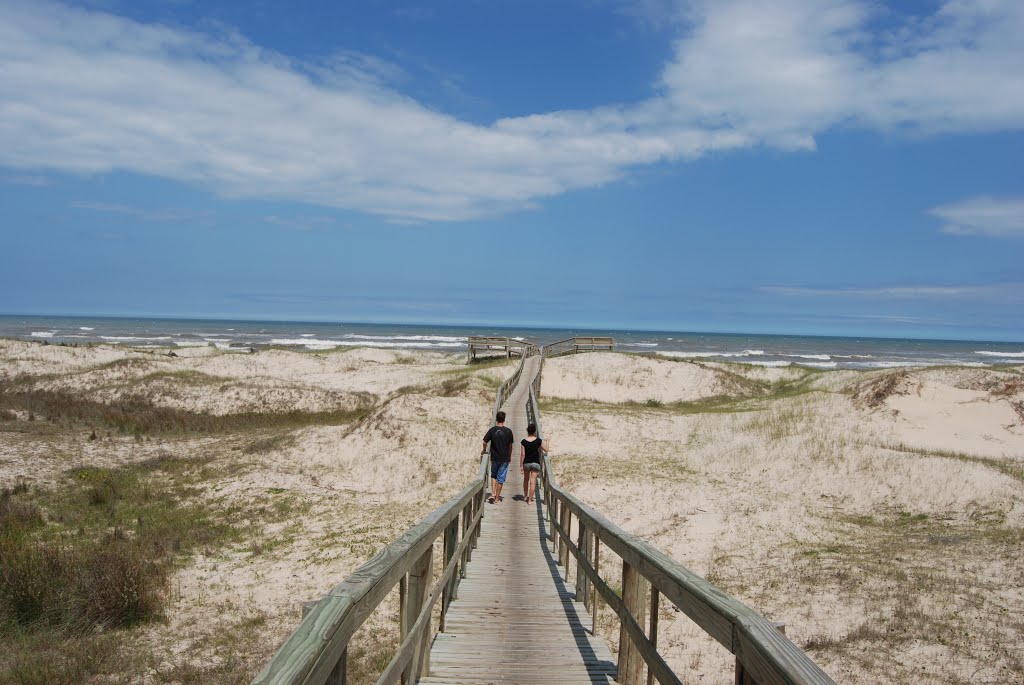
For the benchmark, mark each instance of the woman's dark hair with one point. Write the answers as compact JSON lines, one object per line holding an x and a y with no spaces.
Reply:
{"x":531,"y":429}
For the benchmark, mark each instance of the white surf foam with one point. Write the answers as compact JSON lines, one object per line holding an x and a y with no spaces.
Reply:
{"x":86,"y":328}
{"x":771,"y":363}
{"x":43,"y":334}
{"x":638,"y":344}
{"x":134,"y":338}
{"x":329,"y":344}
{"x":686,"y":354}
{"x":823,"y":357}
{"x":986,"y":353}
{"x":419,"y":338}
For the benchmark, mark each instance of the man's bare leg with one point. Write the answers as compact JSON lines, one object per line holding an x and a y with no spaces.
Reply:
{"x":497,"y":493}
{"x":495,"y":488}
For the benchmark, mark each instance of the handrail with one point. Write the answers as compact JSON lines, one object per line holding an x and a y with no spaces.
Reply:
{"x":578,"y":344}
{"x":317,"y":651}
{"x":763,"y":654}
{"x":474,"y":343}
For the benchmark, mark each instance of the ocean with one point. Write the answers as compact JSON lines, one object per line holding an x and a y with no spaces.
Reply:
{"x":762,"y":350}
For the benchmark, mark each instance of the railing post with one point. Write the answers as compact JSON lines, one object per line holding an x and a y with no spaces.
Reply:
{"x":563,"y":549}
{"x":467,"y":516}
{"x":553,"y":512}
{"x":744,"y":678}
{"x":451,"y":541}
{"x":652,"y":631}
{"x":597,"y":568}
{"x":634,"y":596}
{"x":417,"y":587}
{"x":585,"y":589}
{"x":581,"y":576}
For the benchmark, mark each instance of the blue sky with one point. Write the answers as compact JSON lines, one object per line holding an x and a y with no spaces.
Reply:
{"x":794,"y":166}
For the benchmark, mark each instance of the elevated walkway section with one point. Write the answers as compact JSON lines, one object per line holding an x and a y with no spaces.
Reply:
{"x":515,"y":619}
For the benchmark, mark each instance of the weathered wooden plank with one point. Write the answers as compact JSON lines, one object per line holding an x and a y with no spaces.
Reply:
{"x":634,"y":601}
{"x":652,"y":629}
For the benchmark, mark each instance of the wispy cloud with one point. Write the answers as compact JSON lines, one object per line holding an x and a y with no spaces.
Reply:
{"x":90,"y":92}
{"x":1001,"y":218}
{"x":997,"y":292}
{"x":27,"y":180}
{"x":300,"y":223}
{"x":165,"y":214}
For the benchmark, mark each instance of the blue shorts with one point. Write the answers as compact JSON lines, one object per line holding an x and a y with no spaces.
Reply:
{"x":531,"y":466}
{"x":499,"y":471}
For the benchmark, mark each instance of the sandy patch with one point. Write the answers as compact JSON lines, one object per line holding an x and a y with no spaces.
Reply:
{"x":888,"y":542}
{"x":616,"y":378}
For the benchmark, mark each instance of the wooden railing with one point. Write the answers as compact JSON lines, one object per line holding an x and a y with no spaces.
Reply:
{"x":764,"y":656}
{"x":316,"y":653}
{"x":578,"y":344}
{"x":510,"y":346}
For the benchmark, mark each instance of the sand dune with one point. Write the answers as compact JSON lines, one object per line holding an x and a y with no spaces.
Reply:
{"x":867,"y":527}
{"x":880,"y":514}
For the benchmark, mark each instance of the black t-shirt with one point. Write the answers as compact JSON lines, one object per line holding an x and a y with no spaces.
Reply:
{"x":532,"y":447}
{"x":500,"y":438}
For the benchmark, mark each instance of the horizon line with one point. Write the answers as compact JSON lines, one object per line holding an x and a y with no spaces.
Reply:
{"x":512,"y":326}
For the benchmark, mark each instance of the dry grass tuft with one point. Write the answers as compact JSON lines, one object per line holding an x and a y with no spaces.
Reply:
{"x":874,"y":392}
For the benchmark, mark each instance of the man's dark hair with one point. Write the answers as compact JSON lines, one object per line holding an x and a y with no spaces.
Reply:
{"x":500,"y":417}
{"x":531,"y":429}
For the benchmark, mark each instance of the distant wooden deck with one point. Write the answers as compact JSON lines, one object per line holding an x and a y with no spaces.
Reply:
{"x":515,"y":619}
{"x":510,"y":347}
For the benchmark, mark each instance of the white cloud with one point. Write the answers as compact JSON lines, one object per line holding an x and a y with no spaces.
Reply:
{"x":163,"y":214}
{"x":90,"y":92}
{"x":27,"y":180}
{"x":983,"y":216}
{"x":300,"y":223}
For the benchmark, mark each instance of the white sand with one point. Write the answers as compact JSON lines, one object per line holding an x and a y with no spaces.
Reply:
{"x":817,"y":509}
{"x":808,"y":508}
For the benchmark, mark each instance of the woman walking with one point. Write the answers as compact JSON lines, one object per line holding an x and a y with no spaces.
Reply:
{"x":529,"y":461}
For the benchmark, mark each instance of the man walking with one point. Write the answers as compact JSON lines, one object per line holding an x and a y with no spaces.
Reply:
{"x":501,"y":440}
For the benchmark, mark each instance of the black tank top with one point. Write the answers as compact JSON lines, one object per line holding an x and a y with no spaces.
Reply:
{"x":532,"y":451}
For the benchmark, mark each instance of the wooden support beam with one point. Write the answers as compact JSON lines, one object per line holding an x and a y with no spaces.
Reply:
{"x":451,"y":540}
{"x":652,"y":630}
{"x":581,"y":578}
{"x":594,"y":603}
{"x":339,"y":676}
{"x":634,"y":596}
{"x":553,"y":511}
{"x":563,"y":550}
{"x":417,"y":586}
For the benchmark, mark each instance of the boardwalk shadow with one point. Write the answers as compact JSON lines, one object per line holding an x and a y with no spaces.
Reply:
{"x":603,"y":670}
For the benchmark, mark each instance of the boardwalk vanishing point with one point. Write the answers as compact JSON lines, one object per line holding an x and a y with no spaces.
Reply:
{"x":515,"y":619}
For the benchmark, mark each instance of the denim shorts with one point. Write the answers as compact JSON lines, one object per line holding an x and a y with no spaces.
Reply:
{"x":531,"y":466}
{"x":499,"y":471}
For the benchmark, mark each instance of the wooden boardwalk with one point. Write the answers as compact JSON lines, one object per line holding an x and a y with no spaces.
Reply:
{"x":515,"y":619}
